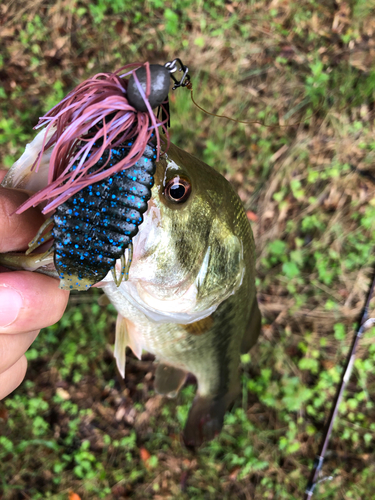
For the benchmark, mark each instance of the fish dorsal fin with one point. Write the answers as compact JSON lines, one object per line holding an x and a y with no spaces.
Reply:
{"x":126,"y":336}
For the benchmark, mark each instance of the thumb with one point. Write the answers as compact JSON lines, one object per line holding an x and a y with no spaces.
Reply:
{"x":16,"y":230}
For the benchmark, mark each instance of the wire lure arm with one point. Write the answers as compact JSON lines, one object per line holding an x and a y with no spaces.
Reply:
{"x":173,"y":67}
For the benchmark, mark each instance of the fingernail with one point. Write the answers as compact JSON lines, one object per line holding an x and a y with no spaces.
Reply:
{"x":10,"y":305}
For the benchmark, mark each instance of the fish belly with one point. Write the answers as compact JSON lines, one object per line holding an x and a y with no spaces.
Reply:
{"x":210,"y":349}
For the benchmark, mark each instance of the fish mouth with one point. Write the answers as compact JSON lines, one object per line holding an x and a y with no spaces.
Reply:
{"x":158,"y":279}
{"x":164,"y":302}
{"x":183,"y":310}
{"x":177,"y":303}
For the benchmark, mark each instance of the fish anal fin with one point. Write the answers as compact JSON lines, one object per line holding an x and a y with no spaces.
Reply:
{"x":169,"y":380}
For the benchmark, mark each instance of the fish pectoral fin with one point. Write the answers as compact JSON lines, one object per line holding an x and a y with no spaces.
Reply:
{"x":121,"y":341}
{"x":41,"y":263}
{"x":103,"y":300}
{"x":126,"y":336}
{"x":253,"y":328}
{"x":169,"y":380}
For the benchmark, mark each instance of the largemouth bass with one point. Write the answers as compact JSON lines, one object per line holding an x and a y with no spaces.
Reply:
{"x":190,"y":298}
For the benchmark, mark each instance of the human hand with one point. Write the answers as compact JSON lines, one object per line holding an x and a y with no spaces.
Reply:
{"x":28,"y":301}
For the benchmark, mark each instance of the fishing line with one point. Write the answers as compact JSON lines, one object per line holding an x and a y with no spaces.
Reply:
{"x":189,"y":86}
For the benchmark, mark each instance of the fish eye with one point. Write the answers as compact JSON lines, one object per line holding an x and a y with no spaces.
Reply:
{"x":177,"y":190}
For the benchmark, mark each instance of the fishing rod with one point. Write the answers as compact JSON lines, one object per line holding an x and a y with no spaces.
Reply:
{"x":364,"y":324}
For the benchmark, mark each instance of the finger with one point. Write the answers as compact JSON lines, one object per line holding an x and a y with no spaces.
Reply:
{"x":3,"y":174}
{"x":16,"y":230}
{"x":29,"y":301}
{"x":13,"y":347}
{"x":11,"y":379}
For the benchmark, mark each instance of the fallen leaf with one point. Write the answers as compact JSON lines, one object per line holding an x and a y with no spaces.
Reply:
{"x":233,"y":475}
{"x":251,"y":216}
{"x":118,"y":490}
{"x":145,"y":454}
{"x":269,"y":214}
{"x":3,"y":413}
{"x":328,"y":364}
{"x":62,"y":393}
{"x":120,"y":413}
{"x":119,"y":26}
{"x":74,"y":496}
{"x":7,"y":32}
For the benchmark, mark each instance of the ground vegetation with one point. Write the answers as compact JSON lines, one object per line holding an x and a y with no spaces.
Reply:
{"x":303,"y":72}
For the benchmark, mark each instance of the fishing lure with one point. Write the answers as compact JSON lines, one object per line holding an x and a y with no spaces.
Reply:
{"x":105,"y":142}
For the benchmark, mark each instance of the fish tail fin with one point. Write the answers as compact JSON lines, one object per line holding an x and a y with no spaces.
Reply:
{"x":206,"y":418}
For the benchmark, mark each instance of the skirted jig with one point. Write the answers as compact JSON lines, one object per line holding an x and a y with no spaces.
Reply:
{"x":103,"y":139}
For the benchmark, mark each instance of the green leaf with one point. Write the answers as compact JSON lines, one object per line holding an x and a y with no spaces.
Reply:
{"x":339,"y":331}
{"x":290,"y":269}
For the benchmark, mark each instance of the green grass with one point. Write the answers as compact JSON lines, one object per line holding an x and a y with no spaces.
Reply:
{"x":303,"y":69}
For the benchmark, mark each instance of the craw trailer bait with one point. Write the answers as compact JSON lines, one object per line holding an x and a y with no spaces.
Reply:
{"x":96,"y":225}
